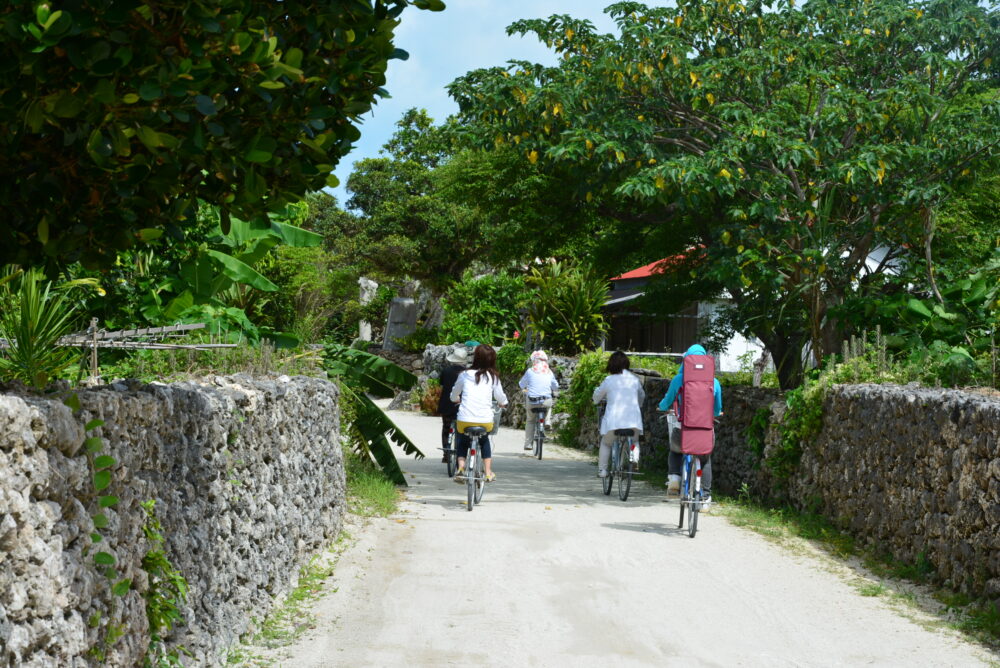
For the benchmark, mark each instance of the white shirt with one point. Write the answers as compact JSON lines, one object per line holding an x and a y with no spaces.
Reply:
{"x":537,"y":384}
{"x":624,"y":394}
{"x":477,"y":398}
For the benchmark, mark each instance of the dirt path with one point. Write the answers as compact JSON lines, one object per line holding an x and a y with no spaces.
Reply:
{"x":548,"y":571}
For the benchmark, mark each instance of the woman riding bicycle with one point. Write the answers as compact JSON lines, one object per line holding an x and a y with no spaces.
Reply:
{"x":623,"y":393}
{"x":474,"y":392}
{"x":539,"y":385}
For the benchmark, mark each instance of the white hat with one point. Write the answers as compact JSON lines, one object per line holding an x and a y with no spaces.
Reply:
{"x":458,"y":355}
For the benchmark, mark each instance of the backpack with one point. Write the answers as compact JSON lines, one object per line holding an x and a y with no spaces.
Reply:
{"x":696,"y":405}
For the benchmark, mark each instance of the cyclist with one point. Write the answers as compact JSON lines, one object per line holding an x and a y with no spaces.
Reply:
{"x":539,"y":385}
{"x":676,"y":460}
{"x":458,"y":361}
{"x":474,"y":392}
{"x":622,"y":391}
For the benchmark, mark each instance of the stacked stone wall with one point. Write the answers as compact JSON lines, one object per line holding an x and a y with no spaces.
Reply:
{"x":248,"y":480}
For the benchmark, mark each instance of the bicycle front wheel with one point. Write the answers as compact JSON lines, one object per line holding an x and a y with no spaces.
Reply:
{"x":470,"y":480}
{"x":624,"y":470}
{"x":480,"y":479}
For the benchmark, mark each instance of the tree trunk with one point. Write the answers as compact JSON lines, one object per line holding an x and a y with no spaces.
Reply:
{"x":787,"y":354}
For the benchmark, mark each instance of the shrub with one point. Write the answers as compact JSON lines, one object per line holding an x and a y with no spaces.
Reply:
{"x":512,"y":360}
{"x":484,"y":308}
{"x":418,"y":340}
{"x":564,"y":308}
{"x":577,"y":401}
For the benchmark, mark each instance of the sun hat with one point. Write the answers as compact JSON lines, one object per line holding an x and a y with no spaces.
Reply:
{"x":458,"y":355}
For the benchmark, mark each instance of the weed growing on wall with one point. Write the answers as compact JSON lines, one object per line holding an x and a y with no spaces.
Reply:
{"x":166,"y":593}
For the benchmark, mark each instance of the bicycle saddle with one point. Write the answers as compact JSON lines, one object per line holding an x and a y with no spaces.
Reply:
{"x":623,"y":432}
{"x":539,"y":409}
{"x":475,"y":431}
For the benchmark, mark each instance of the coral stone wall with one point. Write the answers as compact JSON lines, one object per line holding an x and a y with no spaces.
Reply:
{"x":248,"y":480}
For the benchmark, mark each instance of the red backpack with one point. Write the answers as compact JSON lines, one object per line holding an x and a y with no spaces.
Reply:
{"x":696,"y":408}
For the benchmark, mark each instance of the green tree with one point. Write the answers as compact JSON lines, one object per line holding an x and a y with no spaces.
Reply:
{"x":778,"y":148}
{"x":405,"y":227}
{"x":117,"y":116}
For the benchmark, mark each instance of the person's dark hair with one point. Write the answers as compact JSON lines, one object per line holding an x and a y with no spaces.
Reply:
{"x":484,"y":362}
{"x":618,"y":362}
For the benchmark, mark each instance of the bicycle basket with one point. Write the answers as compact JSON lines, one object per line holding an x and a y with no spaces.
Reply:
{"x":496,"y":420}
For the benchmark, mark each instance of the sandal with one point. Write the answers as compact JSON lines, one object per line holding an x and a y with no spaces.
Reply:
{"x":490,"y":477}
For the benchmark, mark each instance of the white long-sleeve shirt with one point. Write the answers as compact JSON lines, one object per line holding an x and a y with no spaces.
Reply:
{"x":477,"y":398}
{"x":624,"y":395}
{"x":537,"y":384}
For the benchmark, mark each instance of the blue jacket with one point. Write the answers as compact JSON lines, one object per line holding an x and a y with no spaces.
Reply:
{"x":678,"y":381}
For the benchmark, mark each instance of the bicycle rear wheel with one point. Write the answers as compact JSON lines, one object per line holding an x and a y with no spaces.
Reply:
{"x":684,"y":496}
{"x":608,"y":480}
{"x":451,"y":452}
{"x":480,"y":479}
{"x":470,"y":480}
{"x":539,"y":437}
{"x":624,"y":470}
{"x":693,"y":522}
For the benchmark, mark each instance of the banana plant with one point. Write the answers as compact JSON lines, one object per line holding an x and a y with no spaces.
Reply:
{"x":361,"y":374}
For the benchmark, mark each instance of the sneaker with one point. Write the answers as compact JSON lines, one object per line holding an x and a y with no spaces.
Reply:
{"x":460,"y":476}
{"x":490,"y":477}
{"x":445,"y":459}
{"x":603,"y":473}
{"x":706,"y":502}
{"x":673,"y":485}
{"x":528,"y":446}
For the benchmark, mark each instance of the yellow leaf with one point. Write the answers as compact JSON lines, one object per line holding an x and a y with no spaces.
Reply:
{"x":847,"y":42}
{"x":620,"y":155}
{"x":867,"y":31}
{"x":590,"y":145}
{"x":569,"y":33}
{"x":533,"y":156}
{"x":886,"y":32}
{"x":678,"y":20}
{"x":741,"y":171}
{"x":854,"y":198}
{"x":740,"y":248}
{"x":641,"y":117}
{"x":590,"y":195}
{"x":790,"y":58}
{"x":710,"y":98}
{"x":724,"y":173}
{"x":676,"y":60}
{"x":919,"y":13}
{"x":652,"y":161}
{"x":694,"y":78}
{"x":965,"y":172}
{"x":661,"y":183}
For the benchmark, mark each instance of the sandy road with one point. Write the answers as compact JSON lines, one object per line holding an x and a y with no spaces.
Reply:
{"x":548,"y":571}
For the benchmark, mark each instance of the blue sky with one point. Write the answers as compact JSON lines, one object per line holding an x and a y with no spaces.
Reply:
{"x":469,"y":34}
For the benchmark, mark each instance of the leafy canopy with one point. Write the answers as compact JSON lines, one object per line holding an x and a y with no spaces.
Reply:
{"x":118,"y":115}
{"x":780,"y":146}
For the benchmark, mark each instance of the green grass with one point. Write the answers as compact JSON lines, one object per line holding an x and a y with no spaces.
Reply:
{"x":370,"y":493}
{"x":978,"y":619}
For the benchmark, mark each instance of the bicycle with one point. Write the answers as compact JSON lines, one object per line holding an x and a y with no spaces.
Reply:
{"x":475,"y":473}
{"x":540,"y":411}
{"x":692,"y":496}
{"x":622,"y":463}
{"x":449,"y":452}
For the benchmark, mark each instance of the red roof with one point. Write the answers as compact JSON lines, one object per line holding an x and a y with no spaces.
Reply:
{"x":658,"y":267}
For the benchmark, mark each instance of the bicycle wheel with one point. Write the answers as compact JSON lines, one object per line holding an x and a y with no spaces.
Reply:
{"x":480,"y":479}
{"x":684,"y":496}
{"x":624,"y":469}
{"x":539,"y":437}
{"x":695,"y":495}
{"x":609,"y":479}
{"x":451,"y":452}
{"x":470,"y":479}
{"x":693,"y":522}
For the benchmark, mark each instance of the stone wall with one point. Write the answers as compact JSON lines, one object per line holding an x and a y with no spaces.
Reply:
{"x":915,"y":472}
{"x":248,"y":480}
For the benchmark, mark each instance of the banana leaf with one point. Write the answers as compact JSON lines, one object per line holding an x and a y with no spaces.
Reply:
{"x":369,"y":372}
{"x":360,"y":373}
